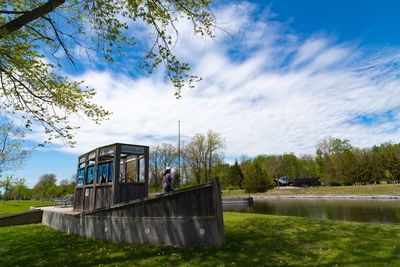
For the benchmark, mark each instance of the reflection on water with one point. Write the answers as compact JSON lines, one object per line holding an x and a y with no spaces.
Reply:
{"x":373,"y":211}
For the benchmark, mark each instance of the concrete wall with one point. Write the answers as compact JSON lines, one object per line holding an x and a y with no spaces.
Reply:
{"x":191,"y":216}
{"x":174,"y":231}
{"x":28,"y":217}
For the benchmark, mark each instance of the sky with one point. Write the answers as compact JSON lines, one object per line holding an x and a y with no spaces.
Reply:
{"x":278,"y":76}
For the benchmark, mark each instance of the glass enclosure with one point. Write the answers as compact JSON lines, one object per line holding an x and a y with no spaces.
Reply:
{"x":111,"y":174}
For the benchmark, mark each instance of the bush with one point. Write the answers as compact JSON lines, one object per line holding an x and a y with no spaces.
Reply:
{"x":256,"y":180}
{"x":232,"y":187}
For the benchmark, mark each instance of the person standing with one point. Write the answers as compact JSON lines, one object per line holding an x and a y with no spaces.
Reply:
{"x":167,"y":180}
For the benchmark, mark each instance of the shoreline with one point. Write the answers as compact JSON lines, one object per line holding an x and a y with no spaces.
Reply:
{"x":343,"y":197}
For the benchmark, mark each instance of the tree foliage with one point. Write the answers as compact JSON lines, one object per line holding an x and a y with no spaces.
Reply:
{"x":46,"y":187}
{"x":7,"y":183}
{"x":161,"y":157}
{"x":12,"y":152}
{"x":256,"y":178}
{"x":34,"y":33}
{"x":235,"y":176}
{"x":202,"y":154}
{"x":21,"y":190}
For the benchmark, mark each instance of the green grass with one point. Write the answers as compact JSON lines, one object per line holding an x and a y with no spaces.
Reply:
{"x":251,"y":240}
{"x":233,"y":193}
{"x":354,"y":190}
{"x":14,"y":206}
{"x":366,"y":190}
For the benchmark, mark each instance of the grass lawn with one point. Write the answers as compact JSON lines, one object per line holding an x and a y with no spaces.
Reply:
{"x":360,"y":190}
{"x":14,"y":206}
{"x":251,"y":240}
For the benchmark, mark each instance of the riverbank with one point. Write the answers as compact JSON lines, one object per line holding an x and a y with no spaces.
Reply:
{"x":382,"y":191}
{"x":339,"y":197}
{"x":251,"y":240}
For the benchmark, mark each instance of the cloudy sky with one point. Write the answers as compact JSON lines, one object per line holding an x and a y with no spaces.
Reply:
{"x":278,"y":76}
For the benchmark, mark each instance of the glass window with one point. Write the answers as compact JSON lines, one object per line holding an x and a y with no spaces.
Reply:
{"x":90,"y":175}
{"x":104,"y":172}
{"x":92,"y":155}
{"x":82,"y":161}
{"x":132,"y":164}
{"x":80,"y":176}
{"x":141,"y":169}
{"x":128,"y":169}
{"x":107,"y":151}
{"x":132,"y":169}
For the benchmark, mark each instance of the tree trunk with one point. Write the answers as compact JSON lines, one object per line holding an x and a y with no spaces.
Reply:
{"x":29,"y":16}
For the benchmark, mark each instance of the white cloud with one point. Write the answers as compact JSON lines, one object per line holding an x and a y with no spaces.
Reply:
{"x":263,"y":89}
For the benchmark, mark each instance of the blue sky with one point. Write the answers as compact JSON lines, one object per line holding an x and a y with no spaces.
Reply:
{"x":288,"y":74}
{"x":370,"y":22}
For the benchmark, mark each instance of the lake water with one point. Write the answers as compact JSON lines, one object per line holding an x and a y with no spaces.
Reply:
{"x":373,"y":211}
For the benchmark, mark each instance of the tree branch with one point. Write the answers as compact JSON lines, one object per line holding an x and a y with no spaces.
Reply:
{"x":12,"y":12}
{"x":29,"y":16}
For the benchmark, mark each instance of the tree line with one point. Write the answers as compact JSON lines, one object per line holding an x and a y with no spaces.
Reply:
{"x":336,"y":162}
{"x":46,"y":188}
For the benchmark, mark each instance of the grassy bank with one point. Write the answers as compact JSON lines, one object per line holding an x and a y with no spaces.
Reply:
{"x":365,"y":190}
{"x":251,"y":240}
{"x":14,"y":206}
{"x":356,"y":190}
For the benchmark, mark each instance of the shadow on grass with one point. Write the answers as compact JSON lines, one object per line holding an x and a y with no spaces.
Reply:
{"x":251,"y":240}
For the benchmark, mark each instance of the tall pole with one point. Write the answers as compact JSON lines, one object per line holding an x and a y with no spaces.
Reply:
{"x":179,"y":153}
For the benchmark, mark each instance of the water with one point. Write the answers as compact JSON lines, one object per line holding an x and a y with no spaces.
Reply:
{"x":373,"y":211}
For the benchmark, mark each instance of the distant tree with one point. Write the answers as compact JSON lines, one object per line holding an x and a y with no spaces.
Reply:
{"x":45,"y":187}
{"x":256,"y":177}
{"x":203,"y":153}
{"x":214,"y":144}
{"x":193,"y":155}
{"x":320,"y":169}
{"x":336,"y":154}
{"x":221,"y":170}
{"x":290,"y":166}
{"x":7,"y":183}
{"x":307,"y":166}
{"x":235,"y":175}
{"x":12,"y":152}
{"x":66,"y":187}
{"x":273,"y":166}
{"x":255,"y":180}
{"x":161,"y":157}
{"x":155,"y":166}
{"x":21,"y":190}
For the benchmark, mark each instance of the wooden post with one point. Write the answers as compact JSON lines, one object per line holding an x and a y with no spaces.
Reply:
{"x":84,"y":181}
{"x":218,"y":211}
{"x":146,"y":171}
{"x":76,"y":185}
{"x":95,"y":177}
{"x":115,"y":189}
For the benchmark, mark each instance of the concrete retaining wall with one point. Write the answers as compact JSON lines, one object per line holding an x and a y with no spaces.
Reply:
{"x":174,"y":231}
{"x":28,"y":217}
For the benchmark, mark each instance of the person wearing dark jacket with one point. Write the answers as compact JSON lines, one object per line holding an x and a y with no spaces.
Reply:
{"x":167,"y":180}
